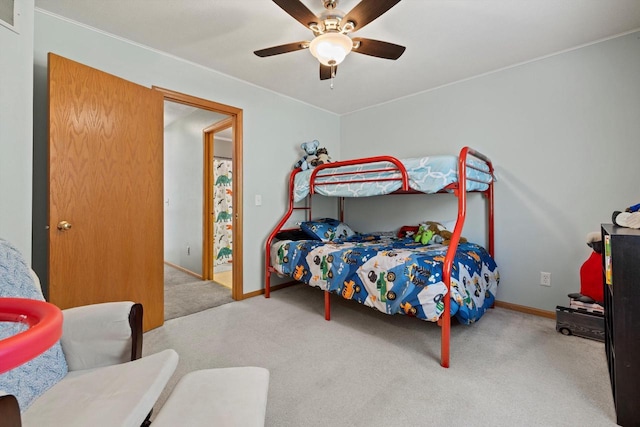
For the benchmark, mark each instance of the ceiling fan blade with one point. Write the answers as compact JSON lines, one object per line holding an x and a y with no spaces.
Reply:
{"x":378,"y":48}
{"x":298,"y":11}
{"x":368,"y":10}
{"x":326,"y":70}
{"x":284,"y":48}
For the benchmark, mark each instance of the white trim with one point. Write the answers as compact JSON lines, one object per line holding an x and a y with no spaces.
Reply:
{"x":17,"y":17}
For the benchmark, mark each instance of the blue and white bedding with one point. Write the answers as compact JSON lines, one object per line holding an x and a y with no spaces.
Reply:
{"x":393,"y":275}
{"x":426,"y":174}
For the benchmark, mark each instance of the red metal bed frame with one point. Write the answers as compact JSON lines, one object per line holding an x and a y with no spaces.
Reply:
{"x":457,"y":188}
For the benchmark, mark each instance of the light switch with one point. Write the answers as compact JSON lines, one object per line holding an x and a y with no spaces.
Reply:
{"x":258,"y":199}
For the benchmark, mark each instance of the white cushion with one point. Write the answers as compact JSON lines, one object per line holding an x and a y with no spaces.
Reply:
{"x":118,"y":395}
{"x":217,"y":397}
{"x":96,"y":335}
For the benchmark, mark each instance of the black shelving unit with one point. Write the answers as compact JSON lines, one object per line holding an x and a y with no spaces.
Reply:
{"x":621,"y":269}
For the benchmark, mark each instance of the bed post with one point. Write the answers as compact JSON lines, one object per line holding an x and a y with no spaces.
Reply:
{"x":490,"y":219}
{"x":327,"y":305}
{"x":283,"y":221}
{"x":460,"y":192}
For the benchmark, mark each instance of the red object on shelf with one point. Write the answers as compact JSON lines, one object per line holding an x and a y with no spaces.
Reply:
{"x":591,"y":282}
{"x":45,"y":328}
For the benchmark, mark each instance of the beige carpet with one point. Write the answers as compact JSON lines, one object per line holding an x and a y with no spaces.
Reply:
{"x":185,"y":294}
{"x":366,"y":369}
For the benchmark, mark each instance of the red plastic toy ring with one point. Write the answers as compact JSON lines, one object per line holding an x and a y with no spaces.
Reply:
{"x":45,"y":328}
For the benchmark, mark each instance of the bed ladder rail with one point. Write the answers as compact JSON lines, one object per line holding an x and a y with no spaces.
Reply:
{"x":460,"y":192}
{"x":278,"y":228}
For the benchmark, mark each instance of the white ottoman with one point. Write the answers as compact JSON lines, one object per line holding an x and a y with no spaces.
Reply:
{"x":217,"y":397}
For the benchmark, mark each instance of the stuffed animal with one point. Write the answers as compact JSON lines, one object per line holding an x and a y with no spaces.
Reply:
{"x":322,"y":157}
{"x":309,"y":149}
{"x":441,"y":234}
{"x":424,"y":235}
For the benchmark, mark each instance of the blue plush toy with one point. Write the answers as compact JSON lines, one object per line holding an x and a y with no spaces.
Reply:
{"x":309,"y":149}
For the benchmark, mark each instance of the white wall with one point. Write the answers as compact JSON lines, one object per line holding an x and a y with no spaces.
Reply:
{"x":16,"y":102}
{"x":274,"y":125}
{"x":564,"y":132}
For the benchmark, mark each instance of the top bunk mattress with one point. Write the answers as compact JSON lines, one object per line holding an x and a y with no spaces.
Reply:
{"x":426,"y":174}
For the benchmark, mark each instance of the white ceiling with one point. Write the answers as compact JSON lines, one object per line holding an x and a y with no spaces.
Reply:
{"x":446,"y":40}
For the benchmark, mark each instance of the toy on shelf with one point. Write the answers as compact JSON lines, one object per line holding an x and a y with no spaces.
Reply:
{"x":322,"y":157}
{"x":630,"y":218}
{"x":583,"y":303}
{"x":310,"y":149}
{"x":585,"y":315}
{"x":579,"y":322}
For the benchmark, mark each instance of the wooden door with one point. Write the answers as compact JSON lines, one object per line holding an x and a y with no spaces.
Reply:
{"x":235,"y":114}
{"x":106,"y":182}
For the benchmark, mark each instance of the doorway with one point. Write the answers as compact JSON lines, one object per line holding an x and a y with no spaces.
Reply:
{"x":218,"y":236}
{"x":200,"y":248}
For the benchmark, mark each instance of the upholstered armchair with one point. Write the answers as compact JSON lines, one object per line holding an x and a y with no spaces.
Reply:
{"x":95,"y":376}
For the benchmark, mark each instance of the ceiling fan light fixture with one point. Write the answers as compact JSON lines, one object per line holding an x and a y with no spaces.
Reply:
{"x":331,"y":48}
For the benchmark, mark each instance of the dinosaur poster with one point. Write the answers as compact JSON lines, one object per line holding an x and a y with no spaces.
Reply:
{"x":223,"y":212}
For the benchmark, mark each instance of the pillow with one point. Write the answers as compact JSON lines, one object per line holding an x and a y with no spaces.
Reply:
{"x":28,"y":381}
{"x":327,"y":229}
{"x":292,"y":235}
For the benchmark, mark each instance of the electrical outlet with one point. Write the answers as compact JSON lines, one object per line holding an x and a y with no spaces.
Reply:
{"x":545,"y":279}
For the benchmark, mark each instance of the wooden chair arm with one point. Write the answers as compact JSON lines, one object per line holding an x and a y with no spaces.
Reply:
{"x":135,"y":321}
{"x":10,"y":411}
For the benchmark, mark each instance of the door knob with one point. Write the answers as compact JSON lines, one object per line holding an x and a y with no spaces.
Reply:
{"x":64,"y":225}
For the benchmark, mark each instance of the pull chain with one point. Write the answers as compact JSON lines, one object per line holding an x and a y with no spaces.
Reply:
{"x":333,"y":74}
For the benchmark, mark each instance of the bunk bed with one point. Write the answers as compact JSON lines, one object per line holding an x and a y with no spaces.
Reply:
{"x":391,"y":274}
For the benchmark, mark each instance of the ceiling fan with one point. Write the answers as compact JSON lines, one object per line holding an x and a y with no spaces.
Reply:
{"x":331,"y":42}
